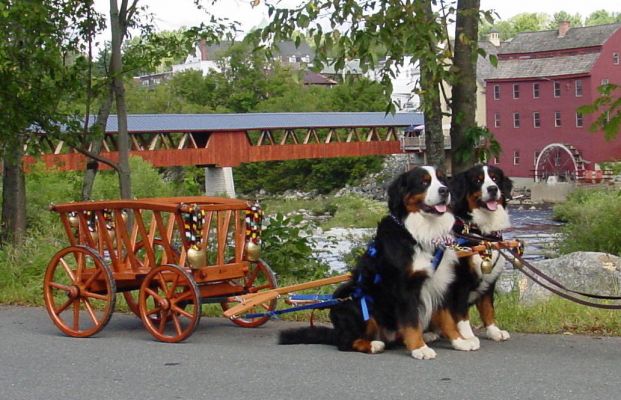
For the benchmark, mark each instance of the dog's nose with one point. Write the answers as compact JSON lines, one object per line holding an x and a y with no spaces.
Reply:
{"x":492,"y":190}
{"x":443,"y":192}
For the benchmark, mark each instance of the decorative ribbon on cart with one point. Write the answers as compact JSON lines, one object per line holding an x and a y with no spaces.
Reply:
{"x":254,"y":219}
{"x":193,"y":222}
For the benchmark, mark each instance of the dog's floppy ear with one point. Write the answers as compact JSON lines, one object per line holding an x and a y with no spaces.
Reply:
{"x":506,"y":185}
{"x":457,"y":186}
{"x":396,"y":192}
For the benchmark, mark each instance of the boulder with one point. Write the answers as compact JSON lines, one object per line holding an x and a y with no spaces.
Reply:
{"x":590,"y":272}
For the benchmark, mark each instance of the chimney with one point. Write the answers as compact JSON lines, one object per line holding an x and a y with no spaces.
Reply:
{"x":563,"y":28}
{"x":202,"y":47}
{"x":494,"y":37}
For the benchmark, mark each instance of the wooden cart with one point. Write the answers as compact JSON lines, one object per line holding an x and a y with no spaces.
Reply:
{"x":167,"y":256}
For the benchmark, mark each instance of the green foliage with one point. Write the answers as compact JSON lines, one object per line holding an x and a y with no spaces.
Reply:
{"x":607,"y":109}
{"x":601,"y":17}
{"x":287,"y":246}
{"x":146,"y":182}
{"x":575,"y":20}
{"x":356,"y":212}
{"x":479,"y":145}
{"x":592,"y":218}
{"x":320,"y":175}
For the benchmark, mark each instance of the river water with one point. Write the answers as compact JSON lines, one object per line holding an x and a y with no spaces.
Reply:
{"x":533,"y":224}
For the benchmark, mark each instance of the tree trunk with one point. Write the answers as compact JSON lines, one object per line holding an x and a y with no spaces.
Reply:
{"x":92,"y":166}
{"x":464,"y":91}
{"x":430,"y":81}
{"x":117,"y":29}
{"x":13,"y":225}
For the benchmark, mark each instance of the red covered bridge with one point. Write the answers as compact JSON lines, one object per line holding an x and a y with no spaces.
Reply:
{"x":227,"y":140}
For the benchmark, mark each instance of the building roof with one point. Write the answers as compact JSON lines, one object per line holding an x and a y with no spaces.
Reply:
{"x":284,"y":49}
{"x":544,"y":67}
{"x":252,"y":121}
{"x":587,"y":36}
{"x":315,"y":78}
{"x":485,"y":69}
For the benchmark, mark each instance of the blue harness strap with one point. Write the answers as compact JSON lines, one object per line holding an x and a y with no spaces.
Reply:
{"x":272,"y":314}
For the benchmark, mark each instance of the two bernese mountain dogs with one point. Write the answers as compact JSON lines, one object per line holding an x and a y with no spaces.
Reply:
{"x":410,"y":278}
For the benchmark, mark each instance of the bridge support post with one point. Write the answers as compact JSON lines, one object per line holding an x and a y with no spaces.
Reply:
{"x":219,"y":182}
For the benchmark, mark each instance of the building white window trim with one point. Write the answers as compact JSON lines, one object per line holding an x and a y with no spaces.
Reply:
{"x":516,"y":120}
{"x":516,"y":157}
{"x":557,"y":119}
{"x":516,"y":90}
{"x":604,"y":81}
{"x":535,"y":90}
{"x":557,"y":89}
{"x":615,"y":58}
{"x":496,"y":92}
{"x":579,"y":120}
{"x":536,"y":119}
{"x":497,"y":120}
{"x":578,"y":85}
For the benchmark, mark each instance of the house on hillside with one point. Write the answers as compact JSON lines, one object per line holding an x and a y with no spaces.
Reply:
{"x":533,"y":95}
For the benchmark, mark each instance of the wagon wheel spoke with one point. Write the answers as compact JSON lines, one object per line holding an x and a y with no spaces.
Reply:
{"x":184,"y":296}
{"x":67,"y":269}
{"x":181,"y":311}
{"x":90,"y":310}
{"x":173,"y":287}
{"x":162,"y":282}
{"x":92,"y":277}
{"x":81,"y":262}
{"x":76,"y":315}
{"x":259,"y":288}
{"x":59,"y":286}
{"x":156,"y":310}
{"x":251,"y":277}
{"x":97,"y":296}
{"x":62,"y":308}
{"x":175,"y":319}
{"x":155,"y":295}
{"x":163,"y":316}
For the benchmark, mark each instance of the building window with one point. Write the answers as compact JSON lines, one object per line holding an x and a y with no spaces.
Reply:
{"x":535,"y":90}
{"x":496,"y":120}
{"x":579,"y":120}
{"x":578,"y":88}
{"x":497,"y":160}
{"x":536,"y":156}
{"x":516,"y":91}
{"x":516,"y":120}
{"x":536,"y":120}
{"x":496,"y":92}
{"x":516,"y":157}
{"x":604,"y":81}
{"x":615,"y":58}
{"x":557,"y":118}
{"x":557,"y":89}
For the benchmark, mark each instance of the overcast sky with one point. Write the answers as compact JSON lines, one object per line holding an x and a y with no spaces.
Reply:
{"x":173,"y":14}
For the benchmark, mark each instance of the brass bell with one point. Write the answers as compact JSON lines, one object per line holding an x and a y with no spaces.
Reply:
{"x":517,"y":263}
{"x":253,"y":251}
{"x":486,"y":266}
{"x":197,"y":258}
{"x":74,"y":220}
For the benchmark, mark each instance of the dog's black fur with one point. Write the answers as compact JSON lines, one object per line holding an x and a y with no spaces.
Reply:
{"x":479,"y":200}
{"x":385,"y":277}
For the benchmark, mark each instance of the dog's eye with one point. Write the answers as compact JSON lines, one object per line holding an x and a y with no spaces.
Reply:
{"x":426,"y":181}
{"x":494,"y":178}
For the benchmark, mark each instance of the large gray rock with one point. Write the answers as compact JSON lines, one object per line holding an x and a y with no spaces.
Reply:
{"x":590,"y":272}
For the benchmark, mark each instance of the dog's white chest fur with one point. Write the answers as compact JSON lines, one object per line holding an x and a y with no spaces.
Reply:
{"x":491,"y":221}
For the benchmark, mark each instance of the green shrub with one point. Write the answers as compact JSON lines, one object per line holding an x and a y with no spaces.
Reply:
{"x":592,"y":218}
{"x":288,"y":248}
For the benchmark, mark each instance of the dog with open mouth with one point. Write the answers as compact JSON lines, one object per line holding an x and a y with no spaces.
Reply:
{"x":402,"y":277}
{"x":479,"y":203}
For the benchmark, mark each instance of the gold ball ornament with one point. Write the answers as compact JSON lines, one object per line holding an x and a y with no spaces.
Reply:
{"x":517,"y":263}
{"x":253,"y":251}
{"x":74,"y":220}
{"x":486,"y":266}
{"x":197,"y":258}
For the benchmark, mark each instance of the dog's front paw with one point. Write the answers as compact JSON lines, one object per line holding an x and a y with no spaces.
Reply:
{"x":430,"y":337}
{"x":465,"y":344}
{"x":497,"y":334}
{"x":377,"y":346}
{"x":424,"y":353}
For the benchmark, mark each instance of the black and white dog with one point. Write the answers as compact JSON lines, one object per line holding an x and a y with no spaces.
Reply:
{"x":401,"y":279}
{"x":479,"y":198}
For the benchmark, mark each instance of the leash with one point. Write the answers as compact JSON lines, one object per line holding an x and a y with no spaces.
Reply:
{"x":555,"y":286}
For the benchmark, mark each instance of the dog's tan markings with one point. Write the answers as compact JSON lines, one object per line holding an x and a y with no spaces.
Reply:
{"x":473,"y":200}
{"x":412,"y":202}
{"x":486,"y":309}
{"x":372,"y":328}
{"x":443,"y":319}
{"x":412,"y":337}
{"x":362,"y":345}
{"x":418,"y":274}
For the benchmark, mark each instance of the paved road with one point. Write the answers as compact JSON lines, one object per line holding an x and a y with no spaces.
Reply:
{"x":222,"y":361}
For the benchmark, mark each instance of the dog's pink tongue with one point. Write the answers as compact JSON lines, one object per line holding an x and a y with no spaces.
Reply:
{"x":441,"y":208}
{"x":492,"y":205}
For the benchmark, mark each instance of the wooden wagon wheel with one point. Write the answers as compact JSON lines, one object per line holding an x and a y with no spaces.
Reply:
{"x":170,"y":305}
{"x":259,"y":278}
{"x":79,"y":291}
{"x":131,"y":296}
